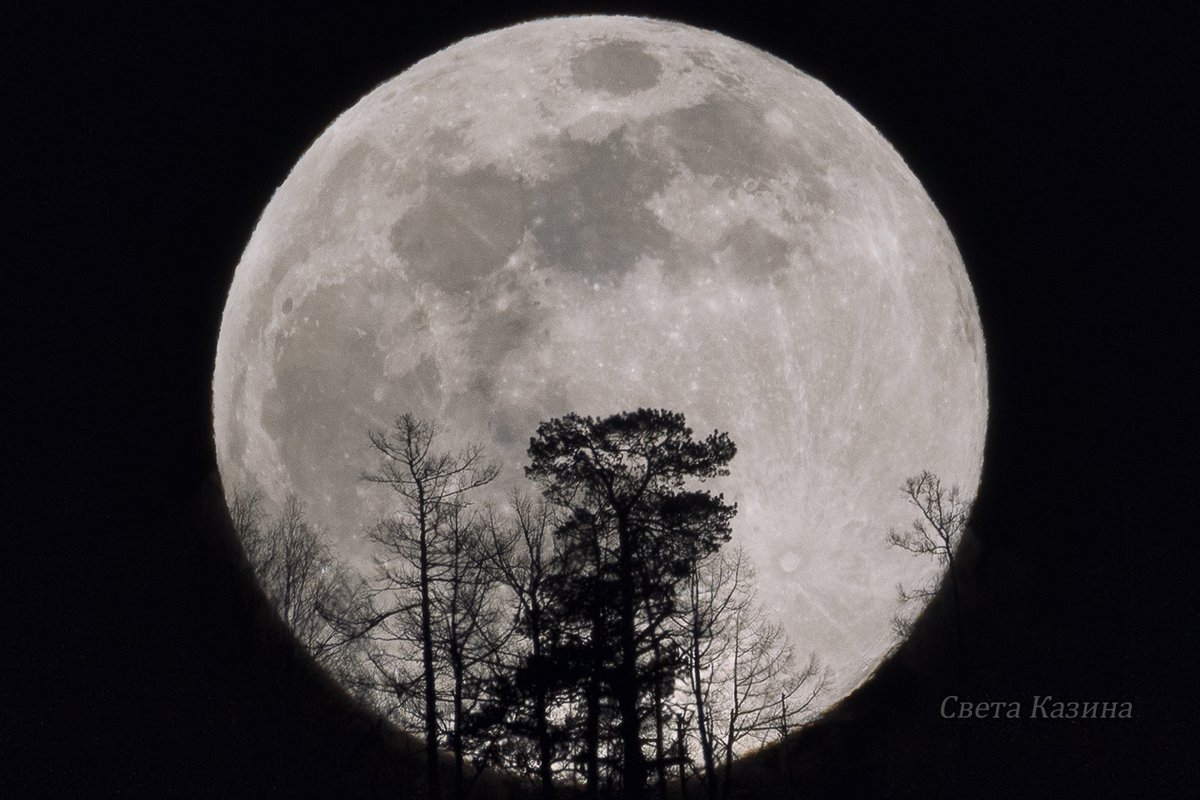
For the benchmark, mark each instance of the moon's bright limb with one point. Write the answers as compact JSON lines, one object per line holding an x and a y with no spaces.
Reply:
{"x":596,"y":214}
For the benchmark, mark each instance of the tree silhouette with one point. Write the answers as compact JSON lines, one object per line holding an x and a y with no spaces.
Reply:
{"x":428,"y":593}
{"x":624,"y":481}
{"x":942,"y":521}
{"x":310,"y":590}
{"x":743,"y":683}
{"x":598,"y":632}
{"x":523,"y":692}
{"x":468,"y":628}
{"x":584,"y":639}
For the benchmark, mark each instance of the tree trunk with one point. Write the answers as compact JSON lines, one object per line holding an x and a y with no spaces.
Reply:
{"x":706,"y":745}
{"x":592,"y":737}
{"x":457,"y":666}
{"x":681,"y":747}
{"x":633,"y":773}
{"x":659,"y":743}
{"x":541,"y":704}
{"x":458,"y":725}
{"x":432,"y":773}
{"x":728,"y":766}
{"x":785,"y":764}
{"x":545,"y":754}
{"x":592,"y":692}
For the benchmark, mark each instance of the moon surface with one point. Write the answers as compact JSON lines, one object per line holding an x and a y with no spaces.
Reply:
{"x":596,"y":214}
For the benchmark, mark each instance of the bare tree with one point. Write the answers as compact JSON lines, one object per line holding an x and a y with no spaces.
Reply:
{"x":310,"y":590}
{"x":248,"y":516}
{"x":521,"y":559}
{"x":936,"y":532}
{"x":744,"y":686}
{"x":468,"y":627}
{"x":629,"y":634}
{"x":421,"y":542}
{"x":704,"y":620}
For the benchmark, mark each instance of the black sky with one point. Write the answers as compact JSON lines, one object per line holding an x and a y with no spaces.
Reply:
{"x":143,"y":144}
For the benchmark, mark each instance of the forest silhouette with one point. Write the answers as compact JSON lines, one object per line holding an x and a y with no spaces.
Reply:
{"x":600,"y":637}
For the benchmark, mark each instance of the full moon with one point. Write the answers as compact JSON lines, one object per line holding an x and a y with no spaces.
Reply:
{"x":598,"y":214}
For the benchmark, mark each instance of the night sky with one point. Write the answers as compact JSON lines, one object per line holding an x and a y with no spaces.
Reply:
{"x":142,"y":147}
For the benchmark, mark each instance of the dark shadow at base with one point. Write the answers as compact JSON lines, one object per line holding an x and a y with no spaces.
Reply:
{"x":188,"y":685}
